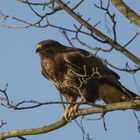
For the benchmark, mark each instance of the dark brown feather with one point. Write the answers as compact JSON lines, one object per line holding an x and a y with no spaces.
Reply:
{"x":76,"y":72}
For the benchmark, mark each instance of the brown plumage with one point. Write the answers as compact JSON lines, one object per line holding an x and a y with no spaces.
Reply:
{"x":77,"y":73}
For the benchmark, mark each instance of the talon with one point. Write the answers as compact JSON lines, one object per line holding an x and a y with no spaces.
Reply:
{"x":69,"y":111}
{"x":73,"y":109}
{"x":65,"y":115}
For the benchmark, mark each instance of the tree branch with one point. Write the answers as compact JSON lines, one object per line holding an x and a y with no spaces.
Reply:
{"x":93,"y":110}
{"x":127,"y":11}
{"x":93,"y":30}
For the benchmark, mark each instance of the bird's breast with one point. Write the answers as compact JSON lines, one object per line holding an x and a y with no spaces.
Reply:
{"x":49,"y":68}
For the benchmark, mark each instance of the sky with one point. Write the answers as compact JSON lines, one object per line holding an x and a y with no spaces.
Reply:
{"x":20,"y":68}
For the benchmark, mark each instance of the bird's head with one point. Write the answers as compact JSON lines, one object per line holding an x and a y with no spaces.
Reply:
{"x":48,"y":46}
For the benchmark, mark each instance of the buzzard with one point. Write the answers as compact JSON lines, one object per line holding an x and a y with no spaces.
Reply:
{"x":77,"y":73}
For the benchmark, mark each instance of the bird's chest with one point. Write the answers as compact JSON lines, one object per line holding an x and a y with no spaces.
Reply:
{"x":53,"y":70}
{"x":49,"y":69}
{"x":47,"y":65}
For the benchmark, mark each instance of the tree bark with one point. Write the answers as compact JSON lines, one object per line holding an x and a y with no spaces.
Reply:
{"x":93,"y":110}
{"x":127,"y":11}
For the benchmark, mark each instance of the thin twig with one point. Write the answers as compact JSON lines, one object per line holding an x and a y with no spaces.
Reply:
{"x":131,"y":71}
{"x":137,"y":120}
{"x":2,"y":124}
{"x":36,"y":13}
{"x":78,"y":4}
{"x":130,"y":41}
{"x":111,"y":16}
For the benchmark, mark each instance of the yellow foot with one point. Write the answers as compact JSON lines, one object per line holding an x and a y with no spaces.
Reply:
{"x":69,"y":111}
{"x":65,"y":115}
{"x":73,"y":109}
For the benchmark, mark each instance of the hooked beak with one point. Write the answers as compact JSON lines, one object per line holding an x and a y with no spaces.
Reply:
{"x":38,"y":48}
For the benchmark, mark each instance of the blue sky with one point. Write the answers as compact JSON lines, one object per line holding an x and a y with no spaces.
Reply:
{"x":20,"y":68}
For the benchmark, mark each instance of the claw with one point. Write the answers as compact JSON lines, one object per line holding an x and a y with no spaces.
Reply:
{"x":73,"y":109}
{"x":65,"y":115}
{"x":69,"y":111}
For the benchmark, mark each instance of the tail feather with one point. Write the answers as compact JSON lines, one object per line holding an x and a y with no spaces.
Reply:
{"x":110,"y":94}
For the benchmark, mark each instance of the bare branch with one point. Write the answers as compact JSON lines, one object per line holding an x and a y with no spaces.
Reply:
{"x":79,"y":30}
{"x":2,"y":124}
{"x":90,"y":47}
{"x":105,"y":38}
{"x":33,"y":9}
{"x":127,"y":11}
{"x":5,"y":94}
{"x":96,"y":34}
{"x":111,"y":16}
{"x":35,"y":3}
{"x":126,"y":69}
{"x":3,"y":16}
{"x":78,"y":4}
{"x":61,"y":123}
{"x":34,"y":104}
{"x":131,"y":40}
{"x":137,"y":120}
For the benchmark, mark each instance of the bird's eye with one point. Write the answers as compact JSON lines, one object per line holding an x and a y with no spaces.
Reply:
{"x":48,"y":47}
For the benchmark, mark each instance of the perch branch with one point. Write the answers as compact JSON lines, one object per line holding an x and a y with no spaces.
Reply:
{"x":61,"y":123}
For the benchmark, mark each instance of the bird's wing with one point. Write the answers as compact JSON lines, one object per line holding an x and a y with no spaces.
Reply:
{"x":83,"y":60}
{"x":83,"y":64}
{"x":86,"y":65}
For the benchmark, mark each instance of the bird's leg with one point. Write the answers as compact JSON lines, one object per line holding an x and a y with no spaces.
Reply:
{"x":68,"y":110}
{"x":76,"y":106}
{"x":66,"y":114}
{"x":72,"y":109}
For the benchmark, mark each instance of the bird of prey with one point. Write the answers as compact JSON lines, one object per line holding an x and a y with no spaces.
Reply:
{"x":77,"y":73}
